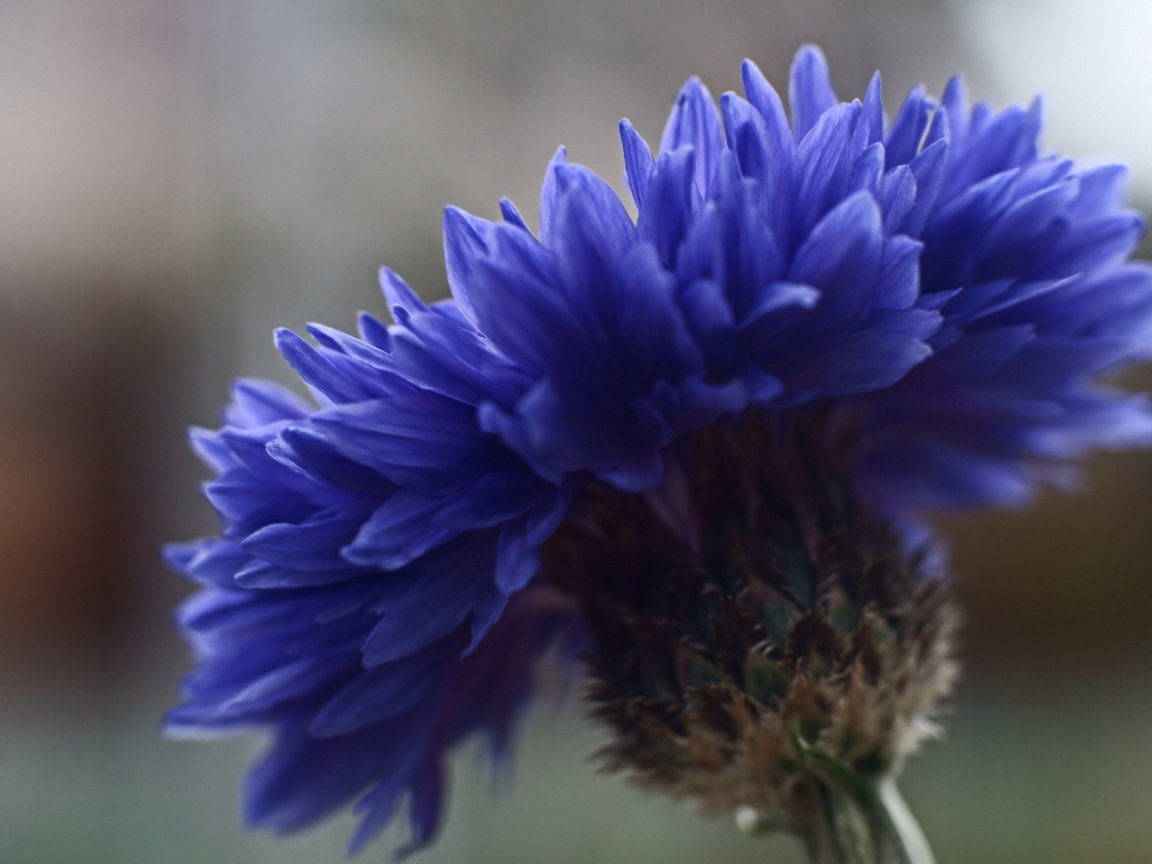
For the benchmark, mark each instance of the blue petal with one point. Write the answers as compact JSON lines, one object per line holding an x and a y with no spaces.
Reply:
{"x":259,"y":575}
{"x":928,"y":170}
{"x":809,"y":89}
{"x":402,"y":300}
{"x":406,"y":526}
{"x":694,"y":123}
{"x":382,"y":692}
{"x":638,"y":162}
{"x":520,"y":307}
{"x":660,"y":345}
{"x":584,"y":196}
{"x":448,"y":583}
{"x":324,"y":371}
{"x":373,"y":331}
{"x":464,"y":242}
{"x":864,"y":361}
{"x":902,"y":143}
{"x":898,"y":286}
{"x":954,"y":105}
{"x":419,"y":440}
{"x":309,"y":545}
{"x":302,"y":779}
{"x":825,"y":160}
{"x":758,"y":152}
{"x":511,"y":215}
{"x":427,"y":806}
{"x":210,"y":562}
{"x":621,"y":446}
{"x":874,"y":109}
{"x":305,"y":450}
{"x":286,"y":683}
{"x":258,"y":403}
{"x":896,"y":196}
{"x":516,"y":560}
{"x":779,"y":142}
{"x":841,"y":255}
{"x":672,"y":200}
{"x":548,"y":195}
{"x":246,"y":506}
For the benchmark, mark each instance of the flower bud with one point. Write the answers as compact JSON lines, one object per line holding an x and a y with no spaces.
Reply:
{"x":761,"y":639}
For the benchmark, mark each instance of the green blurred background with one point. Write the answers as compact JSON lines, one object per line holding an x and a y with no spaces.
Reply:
{"x":177,"y":177}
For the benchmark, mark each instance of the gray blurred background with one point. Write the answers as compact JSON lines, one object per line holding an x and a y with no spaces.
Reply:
{"x":177,"y":177}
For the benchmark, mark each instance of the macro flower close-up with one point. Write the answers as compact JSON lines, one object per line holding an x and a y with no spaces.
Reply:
{"x":686,"y":446}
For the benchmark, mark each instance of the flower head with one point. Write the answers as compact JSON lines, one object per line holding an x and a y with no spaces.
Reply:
{"x":689,"y":441}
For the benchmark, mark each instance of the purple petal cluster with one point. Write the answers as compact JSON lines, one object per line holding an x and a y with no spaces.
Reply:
{"x":942,"y":287}
{"x":359,"y":669}
{"x":1026,"y":258}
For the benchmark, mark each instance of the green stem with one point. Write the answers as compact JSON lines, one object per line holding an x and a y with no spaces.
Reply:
{"x":867,"y":825}
{"x":905,"y":830}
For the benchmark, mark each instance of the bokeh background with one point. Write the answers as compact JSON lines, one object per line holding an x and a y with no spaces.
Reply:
{"x":177,"y":177}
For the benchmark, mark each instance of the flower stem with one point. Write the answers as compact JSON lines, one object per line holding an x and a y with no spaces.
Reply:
{"x":905,"y":829}
{"x":867,"y":825}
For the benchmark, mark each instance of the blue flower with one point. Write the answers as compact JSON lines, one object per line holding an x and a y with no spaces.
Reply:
{"x":934,"y":290}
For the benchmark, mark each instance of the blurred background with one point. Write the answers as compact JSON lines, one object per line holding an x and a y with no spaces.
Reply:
{"x":178,"y":177}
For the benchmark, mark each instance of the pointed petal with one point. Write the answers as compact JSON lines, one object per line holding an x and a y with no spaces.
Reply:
{"x":809,"y":90}
{"x":638,"y":162}
{"x":694,"y":123}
